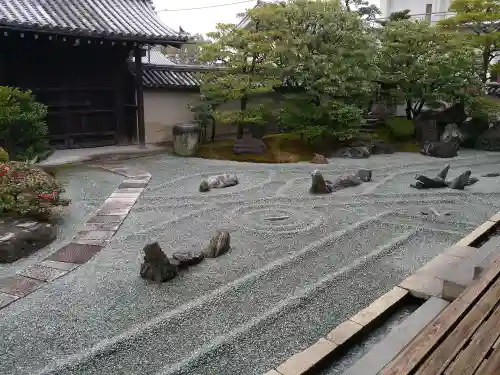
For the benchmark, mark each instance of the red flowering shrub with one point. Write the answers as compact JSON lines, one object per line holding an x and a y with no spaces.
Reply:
{"x":29,"y":191}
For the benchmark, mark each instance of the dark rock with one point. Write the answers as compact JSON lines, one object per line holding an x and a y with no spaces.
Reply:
{"x":452,"y":134}
{"x":188,"y":258}
{"x":424,"y":182}
{"x":496,"y":174}
{"x":437,"y":182}
{"x":472,"y":181}
{"x":156,"y":266}
{"x":381,"y":147}
{"x":346,"y":181}
{"x":318,"y":184}
{"x":489,"y":140}
{"x":218,"y":245}
{"x":365,"y":175}
{"x":440,"y":149}
{"x":363,"y":140}
{"x":426,"y":127}
{"x":319,"y":159}
{"x":444,"y":172}
{"x":249,"y":146}
{"x":22,"y":237}
{"x":354,"y":152}
{"x":460,"y":182}
{"x":204,"y":187}
{"x":218,"y":182}
{"x":471,"y":130}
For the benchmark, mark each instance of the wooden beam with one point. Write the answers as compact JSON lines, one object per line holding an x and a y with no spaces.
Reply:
{"x":141,"y":128}
{"x":119,"y":105}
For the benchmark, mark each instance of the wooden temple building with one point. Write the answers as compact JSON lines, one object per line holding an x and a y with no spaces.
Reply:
{"x":75,"y":55}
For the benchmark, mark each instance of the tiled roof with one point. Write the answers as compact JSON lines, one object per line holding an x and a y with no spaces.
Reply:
{"x":117,"y":19}
{"x":169,"y":77}
{"x":154,"y":56}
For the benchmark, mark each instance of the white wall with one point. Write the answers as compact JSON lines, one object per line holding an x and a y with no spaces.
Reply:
{"x":417,"y":7}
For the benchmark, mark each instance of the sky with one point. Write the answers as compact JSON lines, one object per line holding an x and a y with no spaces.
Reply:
{"x":181,"y":13}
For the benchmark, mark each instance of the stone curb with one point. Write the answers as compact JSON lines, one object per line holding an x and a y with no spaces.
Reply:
{"x":417,"y":284}
{"x":97,"y":232}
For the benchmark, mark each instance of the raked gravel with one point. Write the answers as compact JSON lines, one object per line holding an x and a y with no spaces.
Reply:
{"x":284,"y":284}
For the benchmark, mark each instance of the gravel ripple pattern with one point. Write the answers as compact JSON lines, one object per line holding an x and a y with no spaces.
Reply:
{"x":299,"y":265}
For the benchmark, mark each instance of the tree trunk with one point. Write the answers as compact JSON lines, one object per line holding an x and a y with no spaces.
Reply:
{"x":243,"y":107}
{"x":409,"y":111}
{"x":212,"y":137}
{"x":486,"y":63}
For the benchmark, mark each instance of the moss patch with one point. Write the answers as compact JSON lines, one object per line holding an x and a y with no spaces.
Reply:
{"x":281,"y":148}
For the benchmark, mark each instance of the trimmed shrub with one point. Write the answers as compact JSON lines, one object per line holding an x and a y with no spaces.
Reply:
{"x":22,"y":125}
{"x":331,"y":119}
{"x":4,"y":155}
{"x":400,"y":129}
{"x":29,"y":191}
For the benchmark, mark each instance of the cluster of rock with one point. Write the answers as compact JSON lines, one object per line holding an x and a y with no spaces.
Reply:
{"x":321,"y":186}
{"x":218,"y":182}
{"x":159,"y":268}
{"x":249,"y":145}
{"x":459,"y":183}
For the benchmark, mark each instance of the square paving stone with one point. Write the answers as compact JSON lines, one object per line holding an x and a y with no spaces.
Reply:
{"x":303,"y":362}
{"x":423,"y":286}
{"x":135,"y":184}
{"x":75,"y":253}
{"x":129,"y":190}
{"x":101,"y":226}
{"x":107,"y":210}
{"x":380,"y":306}
{"x":6,"y":299}
{"x":93,"y":237}
{"x":344,"y":332}
{"x":18,"y":285}
{"x":107,"y":219}
{"x":59,"y":265}
{"x":42,"y":273}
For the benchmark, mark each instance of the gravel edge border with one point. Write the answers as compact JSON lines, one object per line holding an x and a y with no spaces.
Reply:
{"x":339,"y":337}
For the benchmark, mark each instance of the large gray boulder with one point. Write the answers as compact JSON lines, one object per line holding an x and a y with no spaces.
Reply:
{"x":218,"y":245}
{"x":318,"y":184}
{"x":249,"y":145}
{"x":440,"y":149}
{"x":22,"y":237}
{"x":218,"y":182}
{"x":156,"y":266}
{"x":489,"y":140}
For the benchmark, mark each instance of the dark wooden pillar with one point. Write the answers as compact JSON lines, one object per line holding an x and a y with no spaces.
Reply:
{"x":119,"y":103}
{"x":141,"y":128}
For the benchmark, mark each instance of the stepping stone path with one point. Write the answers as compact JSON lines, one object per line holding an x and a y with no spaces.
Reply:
{"x":93,"y":238}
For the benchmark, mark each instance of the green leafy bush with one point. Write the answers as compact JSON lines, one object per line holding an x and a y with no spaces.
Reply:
{"x":29,"y":191}
{"x":484,"y":109}
{"x":329,"y":119}
{"x":400,"y":129}
{"x":22,"y":125}
{"x":4,"y":155}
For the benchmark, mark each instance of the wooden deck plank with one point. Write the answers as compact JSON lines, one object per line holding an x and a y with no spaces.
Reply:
{"x":491,"y":365}
{"x":471,"y":357}
{"x":422,"y":346}
{"x":444,"y":354}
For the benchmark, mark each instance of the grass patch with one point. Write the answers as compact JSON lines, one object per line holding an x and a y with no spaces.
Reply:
{"x":281,"y":148}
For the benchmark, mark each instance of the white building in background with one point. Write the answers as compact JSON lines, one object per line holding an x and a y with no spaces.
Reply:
{"x":430,"y":10}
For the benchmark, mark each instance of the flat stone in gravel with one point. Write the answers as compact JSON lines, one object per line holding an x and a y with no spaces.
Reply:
{"x":21,"y":237}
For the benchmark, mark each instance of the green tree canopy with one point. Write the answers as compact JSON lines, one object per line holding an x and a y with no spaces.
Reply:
{"x":423,"y":64}
{"x":247,"y":70}
{"x":479,"y":20}
{"x":326,"y":52}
